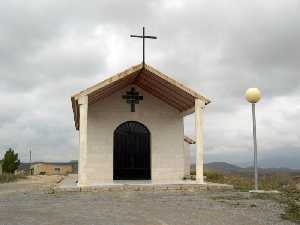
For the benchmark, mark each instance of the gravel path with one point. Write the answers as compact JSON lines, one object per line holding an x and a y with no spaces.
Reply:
{"x":36,"y":207}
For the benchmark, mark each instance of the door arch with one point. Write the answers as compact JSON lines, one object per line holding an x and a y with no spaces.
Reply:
{"x":131,"y":156}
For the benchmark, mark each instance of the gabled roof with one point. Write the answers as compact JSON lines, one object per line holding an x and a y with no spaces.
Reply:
{"x":149,"y":79}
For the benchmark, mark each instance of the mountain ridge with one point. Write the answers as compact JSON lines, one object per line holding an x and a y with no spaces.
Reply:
{"x":225,"y":167}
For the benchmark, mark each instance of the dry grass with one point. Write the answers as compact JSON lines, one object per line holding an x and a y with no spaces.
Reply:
{"x":291,"y":201}
{"x":274,"y":181}
{"x":7,"y":177}
{"x":292,"y":210}
{"x":283,"y":182}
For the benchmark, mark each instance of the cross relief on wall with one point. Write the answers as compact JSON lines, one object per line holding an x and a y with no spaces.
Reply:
{"x":132,"y":97}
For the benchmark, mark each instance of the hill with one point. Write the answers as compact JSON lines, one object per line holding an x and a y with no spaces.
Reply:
{"x":223,"y":167}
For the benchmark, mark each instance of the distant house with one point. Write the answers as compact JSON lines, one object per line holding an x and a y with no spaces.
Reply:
{"x":48,"y":168}
{"x":51,"y":168}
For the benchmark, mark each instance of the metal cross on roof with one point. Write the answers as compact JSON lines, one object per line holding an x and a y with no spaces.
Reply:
{"x":132,"y":98}
{"x":143,"y":36}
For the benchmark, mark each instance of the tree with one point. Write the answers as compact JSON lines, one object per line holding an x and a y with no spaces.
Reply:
{"x":10,"y":161}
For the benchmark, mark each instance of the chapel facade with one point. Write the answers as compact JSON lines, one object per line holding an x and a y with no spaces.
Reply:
{"x":131,"y":128}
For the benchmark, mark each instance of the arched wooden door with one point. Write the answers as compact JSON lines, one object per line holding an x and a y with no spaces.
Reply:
{"x":132,"y":152}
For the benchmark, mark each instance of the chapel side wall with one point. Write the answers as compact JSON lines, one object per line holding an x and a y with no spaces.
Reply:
{"x":164,"y":122}
{"x":187,"y":159}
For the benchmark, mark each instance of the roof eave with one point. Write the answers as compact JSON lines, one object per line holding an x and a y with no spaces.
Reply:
{"x":124,"y":74}
{"x":178,"y":84}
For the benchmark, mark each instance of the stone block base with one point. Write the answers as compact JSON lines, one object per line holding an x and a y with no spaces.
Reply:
{"x":148,"y":188}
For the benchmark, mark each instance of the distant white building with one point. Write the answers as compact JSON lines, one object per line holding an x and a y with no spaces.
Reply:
{"x":131,"y":128}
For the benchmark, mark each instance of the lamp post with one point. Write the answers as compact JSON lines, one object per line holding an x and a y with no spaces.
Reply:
{"x":253,"y":95}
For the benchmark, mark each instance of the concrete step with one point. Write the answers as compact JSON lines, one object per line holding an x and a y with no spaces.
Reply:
{"x":147,"y":187}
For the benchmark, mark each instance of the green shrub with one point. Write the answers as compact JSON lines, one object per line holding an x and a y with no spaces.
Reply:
{"x":212,"y":176}
{"x":239,"y":182}
{"x":193,"y":172}
{"x":10,"y":161}
{"x":8,"y":177}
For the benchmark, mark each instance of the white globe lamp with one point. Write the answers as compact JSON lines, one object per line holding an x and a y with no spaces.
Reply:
{"x":253,"y":95}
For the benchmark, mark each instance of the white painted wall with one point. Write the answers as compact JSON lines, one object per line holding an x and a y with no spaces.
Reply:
{"x":164,"y":122}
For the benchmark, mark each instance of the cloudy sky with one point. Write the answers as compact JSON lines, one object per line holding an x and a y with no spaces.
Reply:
{"x":49,"y":50}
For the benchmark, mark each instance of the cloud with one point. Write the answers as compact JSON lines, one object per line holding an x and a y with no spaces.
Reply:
{"x":50,"y":50}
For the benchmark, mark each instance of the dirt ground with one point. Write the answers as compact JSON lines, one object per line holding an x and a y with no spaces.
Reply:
{"x":30,"y":184}
{"x":29,"y":202}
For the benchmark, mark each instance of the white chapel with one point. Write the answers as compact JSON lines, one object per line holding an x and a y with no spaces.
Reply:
{"x":131,"y":128}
